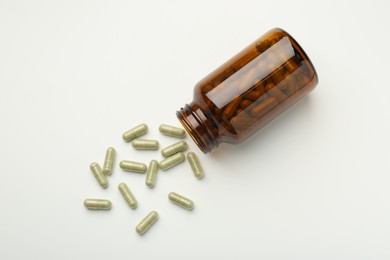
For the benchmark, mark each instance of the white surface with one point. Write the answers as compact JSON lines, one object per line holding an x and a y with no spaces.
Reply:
{"x":74,"y":75}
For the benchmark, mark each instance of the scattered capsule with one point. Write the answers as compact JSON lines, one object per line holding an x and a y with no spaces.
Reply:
{"x":99,"y":175}
{"x":181,"y":201}
{"x":131,"y":166}
{"x":195,"y":165}
{"x":127,"y":195}
{"x":151,"y":174}
{"x":147,"y":222}
{"x":109,"y":161}
{"x":171,"y":161}
{"x":172,"y":131}
{"x":174,"y":148}
{"x":97,"y":204}
{"x":145,"y":144}
{"x":135,"y":132}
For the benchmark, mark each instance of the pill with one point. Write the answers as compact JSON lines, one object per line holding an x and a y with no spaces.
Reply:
{"x":131,"y":166}
{"x":290,"y":65}
{"x":99,"y":175}
{"x":181,"y":201}
{"x":278,"y":76}
{"x":225,"y":124}
{"x":245,"y":103}
{"x":220,"y":76}
{"x":242,"y":122}
{"x":147,"y":222}
{"x":109,"y":161}
{"x":174,"y":148}
{"x":195,"y":165}
{"x":97,"y":204}
{"x":145,"y":144}
{"x":275,"y":92}
{"x":171,"y":161}
{"x":135,"y":132}
{"x":127,"y":195}
{"x":288,"y":85}
{"x":263,"y":107}
{"x":151,"y":174}
{"x":172,"y":131}
{"x":253,"y":95}
{"x":228,"y":112}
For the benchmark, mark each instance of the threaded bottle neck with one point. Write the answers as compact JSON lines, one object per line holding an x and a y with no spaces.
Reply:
{"x":198,"y":126}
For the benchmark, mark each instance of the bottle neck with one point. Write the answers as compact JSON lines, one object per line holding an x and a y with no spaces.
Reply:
{"x":198,"y":126}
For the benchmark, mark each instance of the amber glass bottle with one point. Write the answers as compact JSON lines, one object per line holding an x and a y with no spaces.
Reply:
{"x":248,"y":91}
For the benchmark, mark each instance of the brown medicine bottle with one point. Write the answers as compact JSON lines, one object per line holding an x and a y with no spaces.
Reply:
{"x":248,"y":91}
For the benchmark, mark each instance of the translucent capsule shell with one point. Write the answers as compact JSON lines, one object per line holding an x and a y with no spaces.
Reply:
{"x":180,"y":146}
{"x":99,"y":175}
{"x":171,"y":161}
{"x":109,"y":161}
{"x":135,"y":132}
{"x":127,"y":195}
{"x":98,"y":204}
{"x":131,"y":166}
{"x":145,"y":144}
{"x":147,"y":222}
{"x":151,"y":174}
{"x":181,"y":201}
{"x":195,"y":165}
{"x":172,"y":131}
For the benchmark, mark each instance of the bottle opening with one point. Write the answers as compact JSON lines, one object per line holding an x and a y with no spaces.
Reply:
{"x":194,"y":122}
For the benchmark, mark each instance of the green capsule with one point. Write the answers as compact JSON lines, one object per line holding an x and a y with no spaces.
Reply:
{"x":97,"y":204}
{"x":127,"y":195}
{"x":181,"y":201}
{"x":172,"y":131}
{"x":174,"y":148}
{"x":145,"y":144}
{"x":99,"y":175}
{"x":195,"y":165}
{"x":171,"y":161}
{"x":131,"y":166}
{"x":135,"y":132}
{"x":151,"y":174}
{"x":147,"y":222}
{"x":109,"y":161}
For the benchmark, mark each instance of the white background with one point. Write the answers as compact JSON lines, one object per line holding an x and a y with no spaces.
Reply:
{"x":74,"y":75}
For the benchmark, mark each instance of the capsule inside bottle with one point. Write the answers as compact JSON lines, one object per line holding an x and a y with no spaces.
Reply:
{"x":248,"y":91}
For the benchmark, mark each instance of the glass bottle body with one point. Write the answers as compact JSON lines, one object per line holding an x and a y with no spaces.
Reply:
{"x":248,"y":91}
